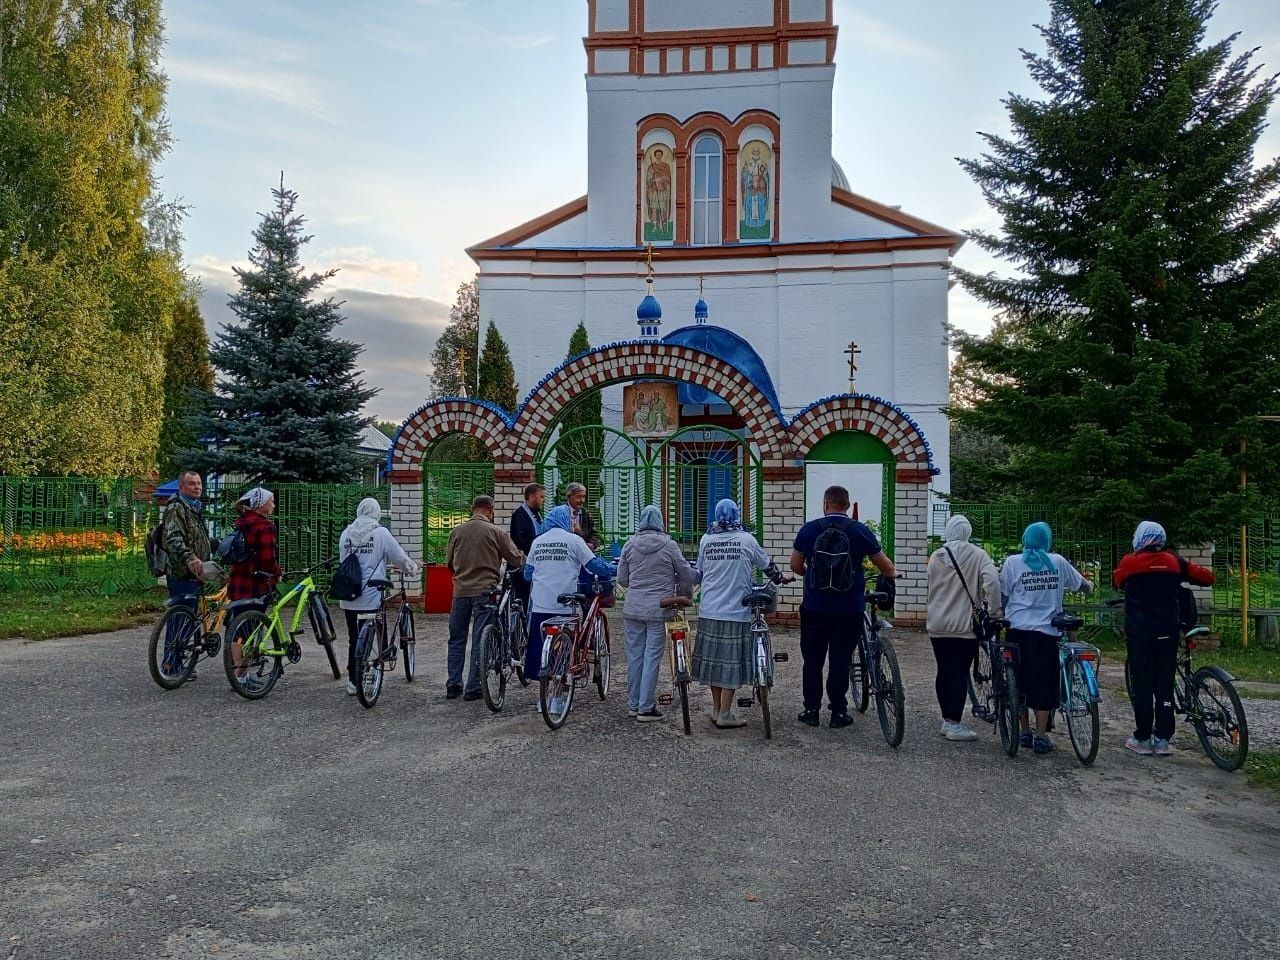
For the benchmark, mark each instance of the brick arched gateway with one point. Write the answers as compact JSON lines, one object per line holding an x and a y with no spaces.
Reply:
{"x":861,"y":413}
{"x":483,"y":421}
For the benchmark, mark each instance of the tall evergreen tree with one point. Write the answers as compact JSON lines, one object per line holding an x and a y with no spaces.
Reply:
{"x":584,"y":449}
{"x":288,"y":398}
{"x":497,"y":374}
{"x":88,"y":272}
{"x":459,"y":341}
{"x":1138,"y":340}
{"x":188,"y":379}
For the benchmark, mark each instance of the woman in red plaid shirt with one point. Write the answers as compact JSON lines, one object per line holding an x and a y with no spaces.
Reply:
{"x":254,"y":508}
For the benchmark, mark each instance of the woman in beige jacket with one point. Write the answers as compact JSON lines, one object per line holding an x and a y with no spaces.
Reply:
{"x":953,"y":595}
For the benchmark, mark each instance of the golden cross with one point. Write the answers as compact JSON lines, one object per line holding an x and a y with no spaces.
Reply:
{"x":649,"y":259}
{"x":462,"y":363}
{"x":852,"y":352}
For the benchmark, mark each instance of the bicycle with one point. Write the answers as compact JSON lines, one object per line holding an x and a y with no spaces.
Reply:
{"x":182,"y":636}
{"x":678,"y":636}
{"x":573,"y":648}
{"x":1078,"y":694}
{"x":993,"y":690}
{"x":503,"y":641}
{"x":875,"y":670}
{"x":258,"y":643}
{"x":760,"y":600}
{"x":1215,"y":716}
{"x":371,"y":665}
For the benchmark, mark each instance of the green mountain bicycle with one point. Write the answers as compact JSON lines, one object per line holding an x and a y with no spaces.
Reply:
{"x":258,"y":643}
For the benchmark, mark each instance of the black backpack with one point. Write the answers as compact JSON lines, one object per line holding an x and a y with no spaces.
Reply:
{"x":831,"y":567}
{"x":348,"y":582}
{"x":233,"y":548}
{"x":157,"y":555}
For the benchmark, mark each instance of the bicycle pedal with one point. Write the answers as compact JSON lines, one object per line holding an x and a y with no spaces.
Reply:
{"x":783,"y":657}
{"x":665,"y":699}
{"x":295,"y":634}
{"x":746,"y":702}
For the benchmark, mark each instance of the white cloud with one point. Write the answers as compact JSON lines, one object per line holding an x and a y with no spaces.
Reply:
{"x":286,"y":87}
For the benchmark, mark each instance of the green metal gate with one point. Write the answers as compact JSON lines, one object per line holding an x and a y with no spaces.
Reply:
{"x":684,"y":474}
{"x":447,"y":492}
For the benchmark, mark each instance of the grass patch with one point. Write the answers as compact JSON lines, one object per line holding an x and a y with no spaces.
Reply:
{"x":1252,"y":664}
{"x":43,"y":616}
{"x":1263,"y":767}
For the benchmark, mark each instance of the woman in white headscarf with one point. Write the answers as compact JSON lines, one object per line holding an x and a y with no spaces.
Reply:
{"x":373,"y":546}
{"x":258,"y":569}
{"x":961,"y":576}
{"x":652,"y":568}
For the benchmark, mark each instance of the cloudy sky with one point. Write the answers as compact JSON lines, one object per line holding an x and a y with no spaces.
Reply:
{"x":413,"y":128}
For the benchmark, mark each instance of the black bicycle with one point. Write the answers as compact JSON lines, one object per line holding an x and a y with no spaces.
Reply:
{"x":993,"y":682}
{"x":875,"y":670}
{"x":1207,"y":698}
{"x":376,"y":651}
{"x":503,"y":642}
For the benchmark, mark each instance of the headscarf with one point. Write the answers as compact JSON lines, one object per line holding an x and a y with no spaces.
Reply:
{"x":561,"y":518}
{"x":1148,"y":534}
{"x":728,"y":517}
{"x":253,"y":499}
{"x":651,"y":519}
{"x":362,"y":530}
{"x":1036,"y":541}
{"x":959,"y":529}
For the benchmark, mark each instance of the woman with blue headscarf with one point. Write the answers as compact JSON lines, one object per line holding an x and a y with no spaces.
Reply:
{"x":652,"y":568}
{"x":556,"y":559}
{"x":1032,"y":583}
{"x":728,"y":558}
{"x":1151,"y":578}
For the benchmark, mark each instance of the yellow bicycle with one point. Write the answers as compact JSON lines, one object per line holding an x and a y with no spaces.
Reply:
{"x":680,"y":647}
{"x":184,"y":635}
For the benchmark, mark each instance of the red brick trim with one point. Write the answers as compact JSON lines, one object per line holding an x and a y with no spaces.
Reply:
{"x":435,"y":419}
{"x":780,"y":474}
{"x":861,"y":414}
{"x":404,"y":475}
{"x":514,"y":476}
{"x":913,"y":475}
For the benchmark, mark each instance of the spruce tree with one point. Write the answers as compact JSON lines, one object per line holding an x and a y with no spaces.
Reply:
{"x":459,"y":341}
{"x":497,"y":374}
{"x":188,"y":379}
{"x":288,"y":398}
{"x":581,"y":453}
{"x":1137,"y":341}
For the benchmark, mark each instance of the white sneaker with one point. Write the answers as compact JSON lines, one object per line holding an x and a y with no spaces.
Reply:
{"x":633,"y":712}
{"x":730,"y":721}
{"x":351,"y":689}
{"x":958,"y":731}
{"x":946,"y":725}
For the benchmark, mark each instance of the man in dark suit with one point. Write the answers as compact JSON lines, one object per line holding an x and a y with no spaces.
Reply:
{"x":525,"y":523}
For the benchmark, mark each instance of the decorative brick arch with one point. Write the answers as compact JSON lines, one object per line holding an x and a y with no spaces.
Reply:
{"x":485,"y":422}
{"x":621,"y":362}
{"x":864,"y":414}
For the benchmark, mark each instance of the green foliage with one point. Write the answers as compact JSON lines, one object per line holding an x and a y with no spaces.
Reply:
{"x":387,"y":427}
{"x":585,"y":448}
{"x":88,"y":275}
{"x":49,"y":615}
{"x":497,"y":374}
{"x":188,"y":378}
{"x":288,"y":398}
{"x":1138,"y":340}
{"x":459,"y":341}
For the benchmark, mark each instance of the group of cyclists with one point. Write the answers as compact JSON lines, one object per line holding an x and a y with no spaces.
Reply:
{"x":554,"y":556}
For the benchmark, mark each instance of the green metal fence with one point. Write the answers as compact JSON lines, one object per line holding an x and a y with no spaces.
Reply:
{"x":447,"y":492}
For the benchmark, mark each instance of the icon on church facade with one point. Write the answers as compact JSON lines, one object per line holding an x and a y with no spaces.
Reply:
{"x":650,"y":409}
{"x":659,"y":193}
{"x":755,"y":191}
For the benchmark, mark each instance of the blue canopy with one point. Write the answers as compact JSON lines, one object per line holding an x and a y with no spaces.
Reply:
{"x":730,"y":348}
{"x":166,"y":491}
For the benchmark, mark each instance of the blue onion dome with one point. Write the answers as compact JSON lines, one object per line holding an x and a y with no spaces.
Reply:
{"x":701,"y":312}
{"x":650,"y":309}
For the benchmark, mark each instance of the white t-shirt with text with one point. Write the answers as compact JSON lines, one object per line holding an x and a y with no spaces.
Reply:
{"x":1032,"y":597}
{"x":556,"y":557}
{"x":728,"y":562}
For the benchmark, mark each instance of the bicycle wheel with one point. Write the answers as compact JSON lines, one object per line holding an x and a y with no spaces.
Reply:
{"x":980,"y":699}
{"x":495,"y":665}
{"x":408,"y":640}
{"x":251,"y":673}
{"x":1009,"y":712}
{"x":859,"y":679}
{"x":762,"y":697}
{"x":519,"y":633}
{"x":175,"y":647}
{"x":684,"y":705}
{"x":369,"y":644}
{"x":322,"y":627}
{"x":604,"y":657}
{"x":555,"y":689}
{"x":1082,"y":713}
{"x":890,"y":700}
{"x":1218,"y":717}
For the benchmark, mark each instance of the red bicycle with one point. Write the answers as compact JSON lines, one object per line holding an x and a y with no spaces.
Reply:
{"x":574,"y":649}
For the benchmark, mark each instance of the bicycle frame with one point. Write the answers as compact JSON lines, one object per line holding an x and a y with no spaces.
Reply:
{"x":583,"y":630}
{"x":299,"y":592}
{"x":1088,"y":656}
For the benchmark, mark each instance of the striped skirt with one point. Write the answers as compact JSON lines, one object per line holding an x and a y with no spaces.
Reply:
{"x":722,"y":655}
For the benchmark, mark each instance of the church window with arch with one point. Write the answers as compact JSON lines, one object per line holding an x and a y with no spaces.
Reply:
{"x":708,"y":180}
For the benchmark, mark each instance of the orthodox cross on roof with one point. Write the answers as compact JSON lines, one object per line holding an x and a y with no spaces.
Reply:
{"x":462,"y":372}
{"x":852,"y":352}
{"x":649,"y":259}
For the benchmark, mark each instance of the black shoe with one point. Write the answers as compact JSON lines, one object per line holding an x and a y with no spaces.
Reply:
{"x":809,"y":718}
{"x":453,"y":691}
{"x":649,"y":716}
{"x":839,"y":720}
{"x":472,"y":695}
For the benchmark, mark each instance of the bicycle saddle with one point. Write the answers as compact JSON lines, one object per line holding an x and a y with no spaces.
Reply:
{"x":567,"y":598}
{"x":880,"y":600}
{"x":762,"y":595}
{"x":380,"y":584}
{"x":1066,"y":622}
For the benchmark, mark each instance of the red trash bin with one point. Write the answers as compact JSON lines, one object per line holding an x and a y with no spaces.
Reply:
{"x":439,"y":592}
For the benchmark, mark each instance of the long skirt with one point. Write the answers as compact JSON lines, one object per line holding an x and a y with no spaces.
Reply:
{"x":722,"y":654}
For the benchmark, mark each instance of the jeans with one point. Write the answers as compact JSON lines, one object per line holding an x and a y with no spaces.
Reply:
{"x":183,"y":593}
{"x":954,"y":656}
{"x":828,"y":638}
{"x":478,"y":612}
{"x":646,"y":640}
{"x":1153,"y":662}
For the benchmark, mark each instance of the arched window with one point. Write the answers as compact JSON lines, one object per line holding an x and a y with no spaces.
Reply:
{"x":708,"y":182}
